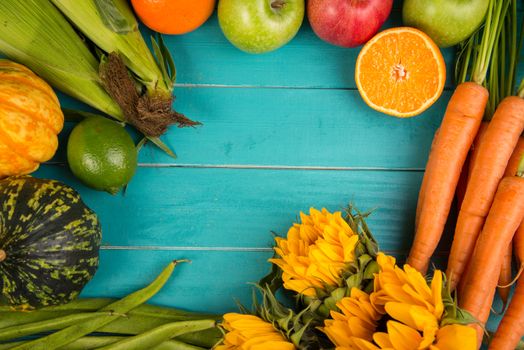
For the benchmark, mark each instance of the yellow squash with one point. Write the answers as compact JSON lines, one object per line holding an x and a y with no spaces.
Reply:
{"x":30,"y":120}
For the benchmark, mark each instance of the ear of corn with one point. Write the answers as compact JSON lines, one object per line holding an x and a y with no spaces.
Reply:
{"x":34,"y":33}
{"x":112,"y":26}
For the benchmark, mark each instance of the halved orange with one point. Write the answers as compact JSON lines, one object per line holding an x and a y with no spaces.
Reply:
{"x":400,"y":72}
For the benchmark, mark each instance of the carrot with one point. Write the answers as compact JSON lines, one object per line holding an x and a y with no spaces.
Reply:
{"x":518,"y":248}
{"x":505,"y":216}
{"x":518,"y":244}
{"x":462,"y":184}
{"x":422,"y":191}
{"x":511,"y":328}
{"x":517,"y":154}
{"x":483,"y":317}
{"x":494,"y":152}
{"x":476,"y":145}
{"x":518,"y":240}
{"x":505,"y":278}
{"x":459,"y":127}
{"x":468,"y":165}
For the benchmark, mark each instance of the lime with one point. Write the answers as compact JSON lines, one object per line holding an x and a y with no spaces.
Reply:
{"x":101,"y":154}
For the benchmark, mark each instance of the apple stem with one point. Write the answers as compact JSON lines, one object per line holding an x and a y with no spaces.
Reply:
{"x":278,"y":4}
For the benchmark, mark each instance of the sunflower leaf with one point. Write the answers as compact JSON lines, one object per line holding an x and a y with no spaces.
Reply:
{"x":354,"y":281}
{"x":371,"y":269}
{"x":462,"y":317}
{"x":452,"y":313}
{"x":297,"y":335}
{"x":363,"y":260}
{"x":273,"y":280}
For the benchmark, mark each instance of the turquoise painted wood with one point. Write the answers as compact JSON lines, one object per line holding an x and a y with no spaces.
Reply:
{"x":293,"y":127}
{"x":282,"y":132}
{"x":304,"y":62}
{"x":208,"y":284}
{"x":237,"y":208}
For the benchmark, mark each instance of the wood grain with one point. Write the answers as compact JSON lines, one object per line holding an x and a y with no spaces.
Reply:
{"x":238,"y":208}
{"x":306,"y":62}
{"x":282,"y":132}
{"x":292,"y":127}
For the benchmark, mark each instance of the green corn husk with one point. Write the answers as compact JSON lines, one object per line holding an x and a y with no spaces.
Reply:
{"x":112,"y":26}
{"x":146,"y":95}
{"x":34,"y":33}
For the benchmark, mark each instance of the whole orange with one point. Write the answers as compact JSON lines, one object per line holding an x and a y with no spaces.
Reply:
{"x":173,"y":16}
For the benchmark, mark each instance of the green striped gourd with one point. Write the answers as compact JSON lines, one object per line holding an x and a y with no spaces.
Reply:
{"x":49,"y":242}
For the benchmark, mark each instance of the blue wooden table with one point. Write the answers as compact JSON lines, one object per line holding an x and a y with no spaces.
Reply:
{"x":281,"y":132}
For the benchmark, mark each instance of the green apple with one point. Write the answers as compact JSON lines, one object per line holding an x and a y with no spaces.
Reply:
{"x":258,"y":26}
{"x":447,"y":22}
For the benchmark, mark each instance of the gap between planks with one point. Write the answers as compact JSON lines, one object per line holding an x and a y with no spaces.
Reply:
{"x":231,"y":249}
{"x":275,"y":87}
{"x":263,"y":167}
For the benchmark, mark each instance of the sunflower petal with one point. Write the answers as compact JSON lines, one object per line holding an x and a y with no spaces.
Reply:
{"x":436,"y":290}
{"x":273,"y":345}
{"x":456,"y":337}
{"x":382,"y":339}
{"x":403,"y":337}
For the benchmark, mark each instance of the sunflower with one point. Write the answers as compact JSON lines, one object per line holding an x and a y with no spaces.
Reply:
{"x":249,"y":332}
{"x":325,"y":255}
{"x":402,"y":337}
{"x":272,"y":325}
{"x":357,"y":320}
{"x":413,"y":313}
{"x":315,"y":252}
{"x":406,"y":286}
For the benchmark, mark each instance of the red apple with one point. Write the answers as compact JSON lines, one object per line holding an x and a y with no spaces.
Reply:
{"x":347,"y":23}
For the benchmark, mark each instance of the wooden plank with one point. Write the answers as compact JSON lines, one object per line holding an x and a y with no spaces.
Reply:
{"x":210,"y":283}
{"x":238,"y":208}
{"x":205,"y":57}
{"x":293,"y":127}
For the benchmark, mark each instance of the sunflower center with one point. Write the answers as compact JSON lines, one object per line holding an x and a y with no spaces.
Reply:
{"x":3,"y":255}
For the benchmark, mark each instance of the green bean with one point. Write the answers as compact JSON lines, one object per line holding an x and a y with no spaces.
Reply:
{"x":133,"y":323}
{"x":84,"y":304}
{"x":13,"y":318}
{"x":5,"y":346}
{"x":157,"y":336}
{"x":15,"y":332}
{"x":176,"y":345}
{"x":95,"y":342}
{"x":90,"y":343}
{"x":124,"y":305}
{"x":167,"y":312}
{"x":207,"y":338}
{"x":140,"y":324}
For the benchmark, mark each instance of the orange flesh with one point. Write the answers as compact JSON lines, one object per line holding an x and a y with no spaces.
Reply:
{"x":400,"y":72}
